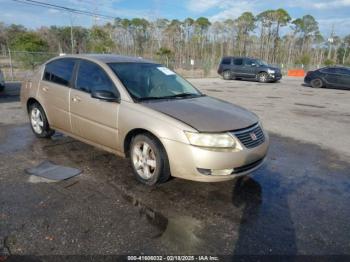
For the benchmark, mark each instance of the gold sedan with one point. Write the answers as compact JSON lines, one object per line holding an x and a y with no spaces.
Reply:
{"x":140,"y":109}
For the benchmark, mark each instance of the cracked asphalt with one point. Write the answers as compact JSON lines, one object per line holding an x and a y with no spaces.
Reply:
{"x":297,"y":203}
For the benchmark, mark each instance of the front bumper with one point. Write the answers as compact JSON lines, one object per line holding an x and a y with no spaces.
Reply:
{"x":275,"y":77}
{"x":188,"y":162}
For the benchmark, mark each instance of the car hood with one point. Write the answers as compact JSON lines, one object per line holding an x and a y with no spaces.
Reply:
{"x":277,"y":69}
{"x":205,"y":114}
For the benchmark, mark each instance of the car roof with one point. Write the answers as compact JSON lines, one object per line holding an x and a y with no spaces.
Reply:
{"x":335,"y":67}
{"x":109,"y":58}
{"x":243,"y":57}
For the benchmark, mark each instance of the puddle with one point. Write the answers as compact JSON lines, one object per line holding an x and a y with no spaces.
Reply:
{"x":180,"y":231}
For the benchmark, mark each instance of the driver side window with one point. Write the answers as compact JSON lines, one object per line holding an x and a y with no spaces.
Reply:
{"x":92,"y":77}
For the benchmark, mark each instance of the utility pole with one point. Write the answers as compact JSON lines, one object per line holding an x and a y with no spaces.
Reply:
{"x":11,"y":65}
{"x":330,"y":41}
{"x":71,"y":33}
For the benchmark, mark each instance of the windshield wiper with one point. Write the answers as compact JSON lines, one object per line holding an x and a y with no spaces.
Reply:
{"x":169,"y":97}
{"x":184,"y":95}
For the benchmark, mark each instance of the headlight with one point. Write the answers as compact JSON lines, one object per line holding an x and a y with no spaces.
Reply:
{"x":211,"y":140}
{"x":270,"y":71}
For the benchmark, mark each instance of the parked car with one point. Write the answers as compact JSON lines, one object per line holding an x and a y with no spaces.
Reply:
{"x":142,"y":110}
{"x":2,"y":81}
{"x":249,"y":69}
{"x":329,"y":77}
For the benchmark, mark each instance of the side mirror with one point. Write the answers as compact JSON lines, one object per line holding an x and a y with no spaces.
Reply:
{"x":253,"y":65}
{"x":105,"y":96}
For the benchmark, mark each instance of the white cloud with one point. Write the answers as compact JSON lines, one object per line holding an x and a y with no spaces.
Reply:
{"x":234,"y":9}
{"x":332,"y":4}
{"x":227,"y":8}
{"x":203,"y":5}
{"x":53,"y":11}
{"x":340,"y":25}
{"x":320,"y":4}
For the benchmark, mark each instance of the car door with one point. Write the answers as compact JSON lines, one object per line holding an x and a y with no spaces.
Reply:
{"x":94,"y":119}
{"x":238,"y":68}
{"x":331,"y":76}
{"x":249,"y":68}
{"x":344,"y":77}
{"x":53,"y":92}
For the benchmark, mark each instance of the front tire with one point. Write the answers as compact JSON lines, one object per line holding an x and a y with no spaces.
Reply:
{"x":317,"y":83}
{"x":38,"y":121}
{"x":263,"y":77}
{"x":227,"y":75}
{"x":149,"y":160}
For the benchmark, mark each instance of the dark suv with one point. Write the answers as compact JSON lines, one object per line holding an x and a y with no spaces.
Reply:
{"x":248,"y":68}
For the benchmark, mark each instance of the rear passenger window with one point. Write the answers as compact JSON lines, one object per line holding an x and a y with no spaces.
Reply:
{"x":226,"y":61}
{"x":92,"y":77}
{"x":329,"y":70}
{"x":59,"y":71}
{"x":342,"y":71}
{"x":238,"y":61}
{"x":249,"y":62}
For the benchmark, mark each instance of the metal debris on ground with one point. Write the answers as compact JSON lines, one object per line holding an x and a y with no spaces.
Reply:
{"x":49,"y":170}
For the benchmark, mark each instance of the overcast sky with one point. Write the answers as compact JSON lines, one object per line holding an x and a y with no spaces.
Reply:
{"x":327,"y":12}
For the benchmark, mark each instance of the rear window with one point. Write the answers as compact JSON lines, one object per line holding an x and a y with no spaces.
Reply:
{"x":328,"y":70}
{"x":238,"y":61}
{"x":343,"y":71}
{"x":226,"y":61}
{"x":59,"y":71}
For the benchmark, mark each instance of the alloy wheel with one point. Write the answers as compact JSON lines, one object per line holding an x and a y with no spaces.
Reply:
{"x":36,"y":120}
{"x":144,"y":160}
{"x":263,"y":77}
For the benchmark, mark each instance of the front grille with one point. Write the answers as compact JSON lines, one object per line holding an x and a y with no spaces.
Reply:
{"x":251,"y":137}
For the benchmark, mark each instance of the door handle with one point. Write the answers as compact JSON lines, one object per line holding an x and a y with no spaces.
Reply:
{"x":45,"y":89}
{"x":76,"y":99}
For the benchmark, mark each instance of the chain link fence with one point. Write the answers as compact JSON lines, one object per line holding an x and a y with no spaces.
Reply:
{"x":18,"y":65}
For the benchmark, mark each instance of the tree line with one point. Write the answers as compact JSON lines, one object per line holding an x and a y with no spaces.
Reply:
{"x":271,"y":35}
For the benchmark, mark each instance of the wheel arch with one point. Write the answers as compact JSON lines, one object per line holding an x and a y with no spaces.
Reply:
{"x":30,"y":102}
{"x":134,"y":132}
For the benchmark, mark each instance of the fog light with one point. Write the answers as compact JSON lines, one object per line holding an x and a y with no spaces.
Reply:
{"x":215,"y":172}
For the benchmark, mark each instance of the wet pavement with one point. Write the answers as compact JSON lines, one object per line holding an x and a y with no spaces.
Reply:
{"x":298,"y":203}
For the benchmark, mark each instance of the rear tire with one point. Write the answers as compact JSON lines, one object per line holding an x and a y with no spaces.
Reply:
{"x":149,"y":160}
{"x":38,"y":121}
{"x":227,"y":75}
{"x":263,"y":77}
{"x":317,"y":83}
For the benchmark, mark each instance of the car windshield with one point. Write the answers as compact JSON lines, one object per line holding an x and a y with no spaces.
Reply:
{"x":261,"y":62}
{"x":153,"y":81}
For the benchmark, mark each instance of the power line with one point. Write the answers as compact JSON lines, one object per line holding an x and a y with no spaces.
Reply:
{"x":64,"y":8}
